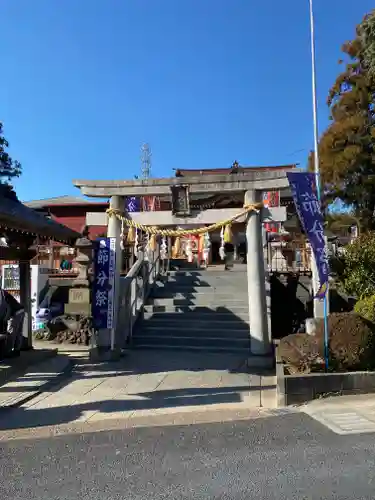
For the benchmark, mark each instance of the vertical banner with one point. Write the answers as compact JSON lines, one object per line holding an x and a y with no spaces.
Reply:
{"x":309,"y":211}
{"x":104,"y":283}
{"x":132,"y":204}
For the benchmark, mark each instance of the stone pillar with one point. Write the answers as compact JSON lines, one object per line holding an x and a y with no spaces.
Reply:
{"x":25,"y":300}
{"x":256,"y":280}
{"x":79,"y":305}
{"x":114,"y":231}
{"x":79,"y":295}
{"x":267,"y":279}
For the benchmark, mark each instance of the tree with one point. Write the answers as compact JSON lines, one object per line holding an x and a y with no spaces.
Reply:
{"x":367,"y":34}
{"x":346,"y":148}
{"x":357,"y":273}
{"x":9,"y":168}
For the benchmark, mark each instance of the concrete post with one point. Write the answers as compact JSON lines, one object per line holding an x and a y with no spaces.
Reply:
{"x":259,"y":333}
{"x":25,"y":300}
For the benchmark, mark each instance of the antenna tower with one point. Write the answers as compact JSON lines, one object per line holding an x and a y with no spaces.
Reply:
{"x":146,"y":161}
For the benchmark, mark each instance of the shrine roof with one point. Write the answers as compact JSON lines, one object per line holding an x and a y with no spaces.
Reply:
{"x":16,"y":216}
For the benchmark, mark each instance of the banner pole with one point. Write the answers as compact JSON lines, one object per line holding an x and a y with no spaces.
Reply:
{"x":317,"y":168}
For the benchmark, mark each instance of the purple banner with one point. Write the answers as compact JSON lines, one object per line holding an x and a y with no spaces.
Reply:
{"x":104,"y":281}
{"x":133,"y":204}
{"x":310,"y":214}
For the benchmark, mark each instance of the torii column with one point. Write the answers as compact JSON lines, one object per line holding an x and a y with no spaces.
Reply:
{"x":114,"y":231}
{"x":256,"y":279}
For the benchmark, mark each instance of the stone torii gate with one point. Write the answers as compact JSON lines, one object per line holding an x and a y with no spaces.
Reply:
{"x":251,"y":184}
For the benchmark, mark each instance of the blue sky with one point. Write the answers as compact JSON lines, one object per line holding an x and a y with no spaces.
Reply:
{"x":204,"y":82}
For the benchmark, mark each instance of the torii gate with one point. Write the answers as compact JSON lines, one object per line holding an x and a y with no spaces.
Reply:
{"x":251,"y":184}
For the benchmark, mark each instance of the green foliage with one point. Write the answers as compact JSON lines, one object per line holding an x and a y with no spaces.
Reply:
{"x":358,"y":270}
{"x":8,"y":168}
{"x":366,"y":308}
{"x":346,"y":148}
{"x":340,"y":223}
{"x":367,"y":34}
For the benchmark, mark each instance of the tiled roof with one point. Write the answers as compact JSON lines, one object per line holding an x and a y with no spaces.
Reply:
{"x":17,"y":216}
{"x":61,"y":200}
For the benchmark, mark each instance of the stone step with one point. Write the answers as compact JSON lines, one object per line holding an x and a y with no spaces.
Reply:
{"x":186,"y":342}
{"x":199,"y":317}
{"x":196,"y":275}
{"x":212,"y":276}
{"x":200,"y":286}
{"x":183,"y":285}
{"x":252,"y":361}
{"x":228,"y":302}
{"x":196,"y":309}
{"x":195,"y":329}
{"x":203,"y":284}
{"x":209,"y":294}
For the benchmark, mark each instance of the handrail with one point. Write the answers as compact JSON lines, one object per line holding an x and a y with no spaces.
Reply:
{"x":135,"y":274}
{"x":134,"y":295}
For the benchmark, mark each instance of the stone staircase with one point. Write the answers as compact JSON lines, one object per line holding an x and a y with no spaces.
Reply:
{"x":205,"y":310}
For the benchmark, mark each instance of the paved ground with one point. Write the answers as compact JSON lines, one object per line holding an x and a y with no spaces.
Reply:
{"x":345,"y":414}
{"x":284,"y":458}
{"x":37,"y":379}
{"x":144,"y":384}
{"x":9,"y":368}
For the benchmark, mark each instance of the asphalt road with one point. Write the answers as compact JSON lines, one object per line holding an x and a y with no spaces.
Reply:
{"x":285,"y":457}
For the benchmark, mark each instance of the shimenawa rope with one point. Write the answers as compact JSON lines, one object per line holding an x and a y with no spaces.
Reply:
{"x":153,"y":230}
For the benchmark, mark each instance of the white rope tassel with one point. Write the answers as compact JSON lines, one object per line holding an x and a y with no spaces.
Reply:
{"x":206,"y":248}
{"x":122,"y":235}
{"x":163,"y":249}
{"x":189,"y":250}
{"x":147,"y":252}
{"x":136,"y":241}
{"x":221,"y":250}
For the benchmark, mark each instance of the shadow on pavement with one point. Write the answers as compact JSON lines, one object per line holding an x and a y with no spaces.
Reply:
{"x":21,"y":418}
